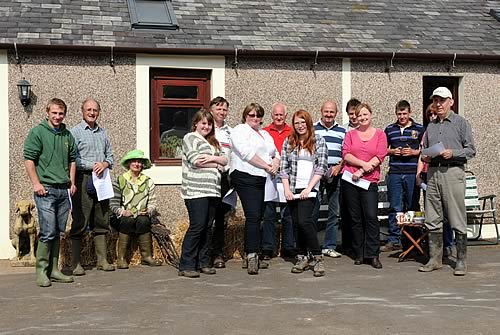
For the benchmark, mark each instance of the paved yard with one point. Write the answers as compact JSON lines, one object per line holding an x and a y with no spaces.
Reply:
{"x":348,"y":300}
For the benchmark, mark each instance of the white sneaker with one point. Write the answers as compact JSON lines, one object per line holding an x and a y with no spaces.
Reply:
{"x":331,"y":253}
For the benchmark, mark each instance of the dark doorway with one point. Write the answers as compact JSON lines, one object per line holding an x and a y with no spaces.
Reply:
{"x":430,"y":83}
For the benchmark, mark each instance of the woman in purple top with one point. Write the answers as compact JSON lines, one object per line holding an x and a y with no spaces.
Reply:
{"x":363,"y":151}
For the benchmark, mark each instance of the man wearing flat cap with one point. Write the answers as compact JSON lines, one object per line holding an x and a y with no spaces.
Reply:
{"x":446,"y":180}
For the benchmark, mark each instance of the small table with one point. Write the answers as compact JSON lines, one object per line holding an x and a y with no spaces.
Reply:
{"x":415,"y":243}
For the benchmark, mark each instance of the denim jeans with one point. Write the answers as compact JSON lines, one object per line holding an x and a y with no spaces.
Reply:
{"x":400,"y":192}
{"x":250,"y":189}
{"x":269,"y":228}
{"x":53,"y":210}
{"x":195,"y":245}
{"x":332,"y":193}
{"x":306,"y":234}
{"x":363,"y":205}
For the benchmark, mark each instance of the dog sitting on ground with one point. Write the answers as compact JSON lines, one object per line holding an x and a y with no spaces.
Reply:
{"x":24,"y":227}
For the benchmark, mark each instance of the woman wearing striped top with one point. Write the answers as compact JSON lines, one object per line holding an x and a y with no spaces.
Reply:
{"x":201,"y":166}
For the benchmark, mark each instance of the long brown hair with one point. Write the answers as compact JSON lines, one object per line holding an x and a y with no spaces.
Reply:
{"x":204,"y":114}
{"x":293,"y":138}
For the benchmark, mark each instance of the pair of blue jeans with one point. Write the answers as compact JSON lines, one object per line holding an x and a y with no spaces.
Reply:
{"x":53,"y":210}
{"x":332,"y":190}
{"x":195,"y":245}
{"x":269,"y":228}
{"x":400,"y":190}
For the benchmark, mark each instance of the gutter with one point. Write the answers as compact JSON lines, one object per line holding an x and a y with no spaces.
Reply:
{"x":259,"y":53}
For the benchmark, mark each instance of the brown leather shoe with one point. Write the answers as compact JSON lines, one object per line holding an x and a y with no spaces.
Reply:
{"x":208,"y":271}
{"x":189,"y":274}
{"x":376,"y":263}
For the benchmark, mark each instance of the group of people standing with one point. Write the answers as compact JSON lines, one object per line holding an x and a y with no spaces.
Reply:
{"x":299,"y":163}
{"x":308,"y":161}
{"x":61,"y":164}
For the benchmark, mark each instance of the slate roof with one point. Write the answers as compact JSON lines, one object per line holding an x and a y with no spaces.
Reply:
{"x":336,"y":26}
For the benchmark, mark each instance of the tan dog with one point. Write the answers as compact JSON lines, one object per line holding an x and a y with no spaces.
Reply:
{"x":25,"y":224}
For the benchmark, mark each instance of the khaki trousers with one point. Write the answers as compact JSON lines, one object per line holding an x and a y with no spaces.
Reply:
{"x":446,"y":196}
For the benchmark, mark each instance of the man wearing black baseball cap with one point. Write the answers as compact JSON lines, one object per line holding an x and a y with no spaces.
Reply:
{"x":446,"y":180}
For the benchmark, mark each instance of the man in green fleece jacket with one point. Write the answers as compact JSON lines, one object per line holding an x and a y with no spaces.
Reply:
{"x":50,"y":154}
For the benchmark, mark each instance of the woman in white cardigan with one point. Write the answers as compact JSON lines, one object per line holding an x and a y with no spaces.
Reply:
{"x":254,"y":156}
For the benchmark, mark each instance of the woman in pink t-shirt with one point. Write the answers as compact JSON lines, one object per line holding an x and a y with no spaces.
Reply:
{"x":363,"y":151}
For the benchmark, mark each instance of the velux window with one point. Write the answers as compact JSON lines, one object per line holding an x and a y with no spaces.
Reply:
{"x":152,"y":14}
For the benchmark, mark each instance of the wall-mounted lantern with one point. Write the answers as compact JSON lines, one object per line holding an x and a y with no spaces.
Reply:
{"x":24,"y":88}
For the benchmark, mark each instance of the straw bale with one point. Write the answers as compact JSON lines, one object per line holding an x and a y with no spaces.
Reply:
{"x":234,"y":239}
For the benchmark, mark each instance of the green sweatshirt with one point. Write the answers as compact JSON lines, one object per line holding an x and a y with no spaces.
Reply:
{"x":52,"y":151}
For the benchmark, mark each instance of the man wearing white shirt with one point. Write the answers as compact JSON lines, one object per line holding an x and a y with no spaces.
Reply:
{"x":219,"y":107}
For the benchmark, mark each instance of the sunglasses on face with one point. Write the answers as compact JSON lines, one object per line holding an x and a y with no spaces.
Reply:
{"x":254,"y":115}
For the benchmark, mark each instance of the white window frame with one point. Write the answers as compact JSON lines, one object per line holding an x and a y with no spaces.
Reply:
{"x":6,"y":249}
{"x":169,"y":175}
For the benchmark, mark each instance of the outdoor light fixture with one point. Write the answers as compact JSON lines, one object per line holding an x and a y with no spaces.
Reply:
{"x":24,"y":88}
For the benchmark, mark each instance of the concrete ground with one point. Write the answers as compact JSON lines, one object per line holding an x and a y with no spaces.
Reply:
{"x":348,"y":300}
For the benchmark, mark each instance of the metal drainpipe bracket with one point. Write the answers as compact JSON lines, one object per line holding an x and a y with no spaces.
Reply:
{"x":112,"y":59}
{"x":235,"y":61}
{"x":315,"y":63}
{"x":18,"y":59}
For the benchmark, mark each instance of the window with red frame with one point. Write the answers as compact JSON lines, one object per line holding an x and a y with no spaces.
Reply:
{"x":176,"y":95}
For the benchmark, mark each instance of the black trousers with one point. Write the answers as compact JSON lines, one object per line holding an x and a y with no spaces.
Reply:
{"x":306,"y":234}
{"x":363,"y":205}
{"x":219,"y":228}
{"x":138,"y":225}
{"x":250,"y":189}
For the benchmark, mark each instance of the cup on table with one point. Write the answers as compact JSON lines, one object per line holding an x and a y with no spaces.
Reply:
{"x":409,"y":216}
{"x":400,"y":217}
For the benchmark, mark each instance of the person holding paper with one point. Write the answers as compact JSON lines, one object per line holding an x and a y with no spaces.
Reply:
{"x":304,"y":161}
{"x":429,"y":116}
{"x":219,"y":107}
{"x":279,"y":131}
{"x":446,"y":180}
{"x":94,"y":156}
{"x":134,"y":203}
{"x":403,"y":138}
{"x":364,"y":150}
{"x":253,"y":158}
{"x":49,"y":157}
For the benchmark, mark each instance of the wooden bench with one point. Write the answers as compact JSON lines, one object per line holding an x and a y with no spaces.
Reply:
{"x":383,"y":211}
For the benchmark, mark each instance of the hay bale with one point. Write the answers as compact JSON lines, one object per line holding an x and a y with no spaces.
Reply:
{"x":234,"y":239}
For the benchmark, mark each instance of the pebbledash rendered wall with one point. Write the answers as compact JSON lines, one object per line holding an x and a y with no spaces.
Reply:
{"x":479,"y":97}
{"x":74,"y":77}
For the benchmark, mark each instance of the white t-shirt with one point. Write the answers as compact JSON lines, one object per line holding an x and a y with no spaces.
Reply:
{"x":305,"y":170}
